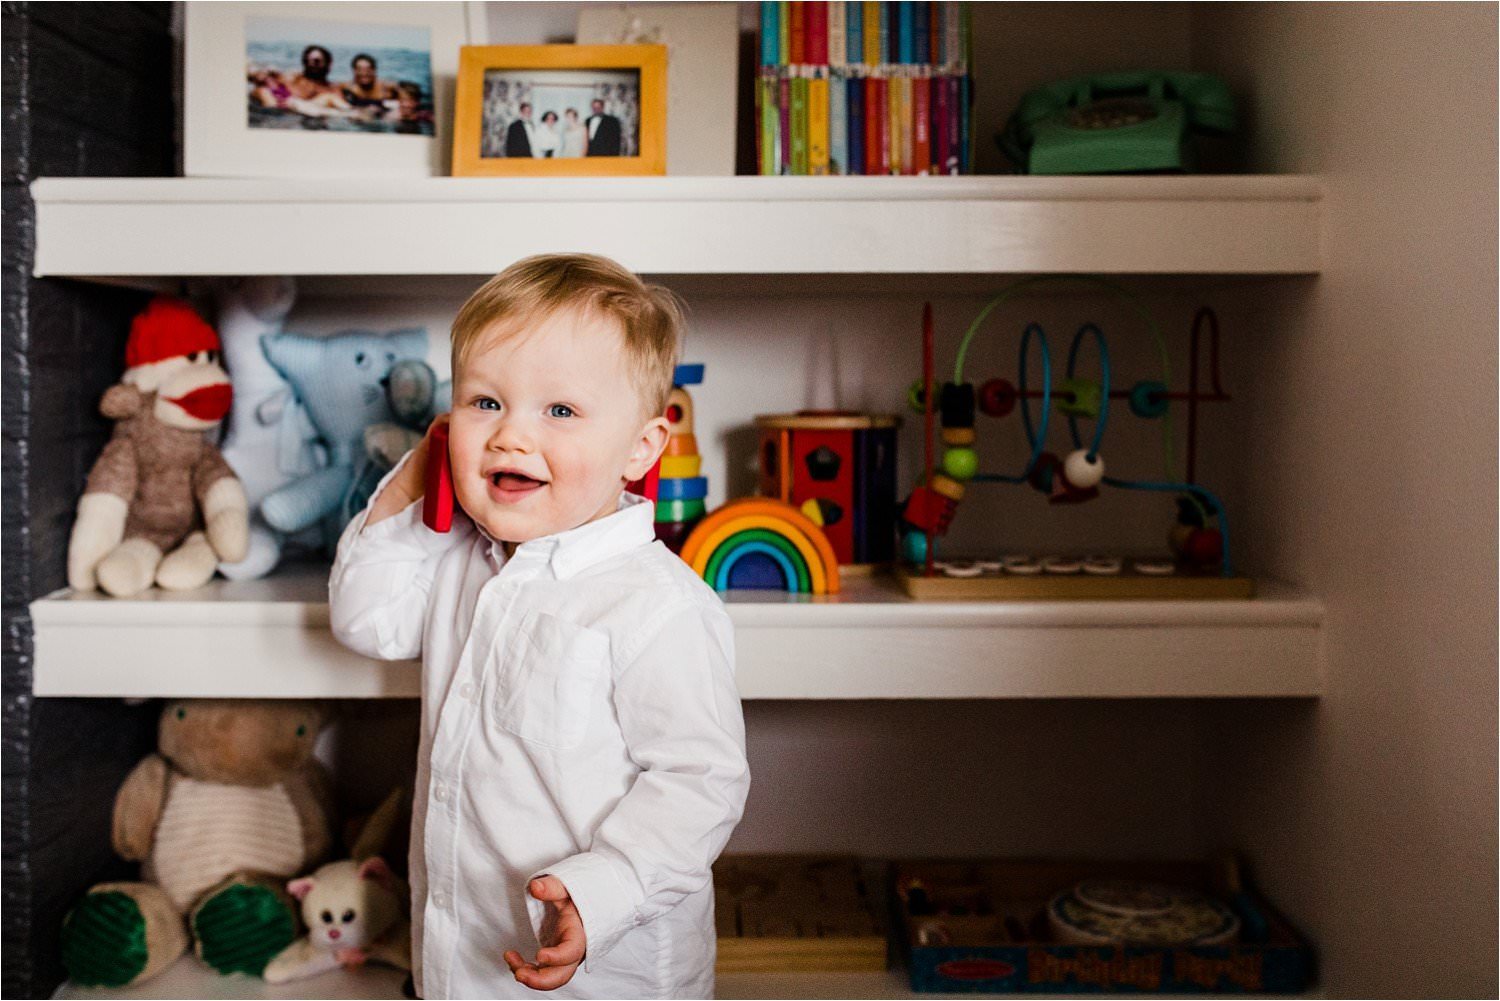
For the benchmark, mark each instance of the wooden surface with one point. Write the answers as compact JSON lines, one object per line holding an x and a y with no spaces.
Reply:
{"x":1127,"y":585}
{"x":778,"y":913}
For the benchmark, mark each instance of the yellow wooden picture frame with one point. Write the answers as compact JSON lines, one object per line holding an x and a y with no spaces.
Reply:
{"x":468,"y":119}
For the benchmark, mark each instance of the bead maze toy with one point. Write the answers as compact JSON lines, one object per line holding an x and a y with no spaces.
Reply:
{"x":765,"y":545}
{"x":839,"y":469}
{"x":1200,"y":539}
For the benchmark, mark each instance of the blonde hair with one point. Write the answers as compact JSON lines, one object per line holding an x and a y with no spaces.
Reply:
{"x":650,"y":316}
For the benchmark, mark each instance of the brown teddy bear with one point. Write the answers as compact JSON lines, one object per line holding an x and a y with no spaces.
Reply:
{"x":161,"y":504}
{"x":231,"y":806}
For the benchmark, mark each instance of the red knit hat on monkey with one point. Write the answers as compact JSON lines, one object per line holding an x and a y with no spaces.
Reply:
{"x":167,"y":328}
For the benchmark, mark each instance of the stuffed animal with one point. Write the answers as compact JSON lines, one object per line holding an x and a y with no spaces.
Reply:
{"x":341,"y":381}
{"x":415,"y":397}
{"x":354,"y":909}
{"x":268,"y":439}
{"x":230,"y":806}
{"x":161,"y":504}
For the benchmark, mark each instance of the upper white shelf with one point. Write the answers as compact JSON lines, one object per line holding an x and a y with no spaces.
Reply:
{"x":119,"y":229}
{"x":270,"y":638}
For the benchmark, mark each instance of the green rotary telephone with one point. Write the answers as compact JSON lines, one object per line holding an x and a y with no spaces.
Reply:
{"x":1112,"y":123}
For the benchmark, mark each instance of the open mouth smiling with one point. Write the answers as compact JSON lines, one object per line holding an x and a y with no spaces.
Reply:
{"x":508,"y":485}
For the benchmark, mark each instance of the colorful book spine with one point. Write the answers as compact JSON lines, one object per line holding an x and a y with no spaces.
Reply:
{"x":965,"y":37}
{"x":765,"y":98}
{"x":904,"y":122}
{"x":815,"y":48}
{"x":770,"y":33}
{"x":934,"y":32}
{"x":838,"y":123}
{"x":955,"y":112}
{"x":783,"y":32}
{"x":854,"y":28}
{"x":856,"y":103}
{"x":940,"y":113}
{"x":951,"y":36}
{"x":799,"y":33}
{"x":877,"y":87}
{"x":799,"y":123}
{"x":921,"y":122}
{"x":966,"y":138}
{"x":838,"y":46}
{"x":785,"y":120}
{"x":817,"y":121}
{"x":919,"y":32}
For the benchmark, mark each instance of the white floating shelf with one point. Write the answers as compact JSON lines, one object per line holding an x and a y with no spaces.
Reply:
{"x":135,"y":229}
{"x":270,"y":638}
{"x":188,"y":978}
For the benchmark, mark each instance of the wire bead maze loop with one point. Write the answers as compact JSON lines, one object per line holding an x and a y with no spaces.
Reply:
{"x":1104,"y":383}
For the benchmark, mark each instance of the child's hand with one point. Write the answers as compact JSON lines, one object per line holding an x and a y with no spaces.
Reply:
{"x":563,"y":927}
{"x":407,"y":486}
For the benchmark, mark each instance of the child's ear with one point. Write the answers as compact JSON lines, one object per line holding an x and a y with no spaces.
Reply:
{"x":648,"y":447}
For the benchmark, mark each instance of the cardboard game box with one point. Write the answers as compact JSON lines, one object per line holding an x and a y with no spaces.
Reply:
{"x":1003,"y":927}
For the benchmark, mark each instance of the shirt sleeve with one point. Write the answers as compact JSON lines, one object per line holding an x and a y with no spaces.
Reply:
{"x":382,"y":576}
{"x":680,"y":714}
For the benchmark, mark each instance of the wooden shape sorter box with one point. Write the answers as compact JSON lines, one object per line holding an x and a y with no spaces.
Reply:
{"x":839,"y":469}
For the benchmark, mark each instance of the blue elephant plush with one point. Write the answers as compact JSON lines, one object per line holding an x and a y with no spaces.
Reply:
{"x":341,"y":383}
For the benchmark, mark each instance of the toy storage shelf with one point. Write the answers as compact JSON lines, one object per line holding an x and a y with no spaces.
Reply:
{"x":190,"y":979}
{"x":270,"y":638}
{"x":144,"y":230}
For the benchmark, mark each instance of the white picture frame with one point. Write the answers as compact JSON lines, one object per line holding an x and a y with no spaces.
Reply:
{"x":218,"y":140}
{"x":702,"y":41}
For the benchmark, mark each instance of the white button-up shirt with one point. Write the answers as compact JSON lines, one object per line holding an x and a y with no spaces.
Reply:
{"x":579,"y":718}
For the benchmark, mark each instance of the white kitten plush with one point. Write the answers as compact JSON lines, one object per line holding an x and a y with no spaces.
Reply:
{"x":354,"y":911}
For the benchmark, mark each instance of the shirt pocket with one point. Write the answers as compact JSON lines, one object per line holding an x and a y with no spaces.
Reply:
{"x":546,"y":680}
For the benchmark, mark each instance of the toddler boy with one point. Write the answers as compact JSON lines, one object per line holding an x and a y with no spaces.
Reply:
{"x":582,"y":758}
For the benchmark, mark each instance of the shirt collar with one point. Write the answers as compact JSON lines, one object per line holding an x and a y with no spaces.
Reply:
{"x":575,"y":550}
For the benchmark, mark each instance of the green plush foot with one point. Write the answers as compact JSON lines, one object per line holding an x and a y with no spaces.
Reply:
{"x":242,"y":927}
{"x":104,"y":940}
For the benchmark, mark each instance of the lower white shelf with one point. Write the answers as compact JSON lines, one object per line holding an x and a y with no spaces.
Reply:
{"x":270,"y":639}
{"x":189,"y":978}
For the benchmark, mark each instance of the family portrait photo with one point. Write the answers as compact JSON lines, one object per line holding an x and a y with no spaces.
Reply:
{"x":339,"y":76}
{"x":560,"y":114}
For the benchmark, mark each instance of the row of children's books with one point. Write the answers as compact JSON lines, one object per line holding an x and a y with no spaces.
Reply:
{"x":875,"y":33}
{"x":863,"y":120}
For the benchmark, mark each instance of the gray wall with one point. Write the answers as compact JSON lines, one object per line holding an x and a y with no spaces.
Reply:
{"x":1371,"y":481}
{"x":87,"y":91}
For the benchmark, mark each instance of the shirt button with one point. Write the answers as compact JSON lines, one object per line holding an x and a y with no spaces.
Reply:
{"x":440,"y":899}
{"x":466,"y":690}
{"x":440,"y":793}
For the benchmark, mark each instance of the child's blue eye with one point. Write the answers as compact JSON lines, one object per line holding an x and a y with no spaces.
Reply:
{"x":560,"y":410}
{"x":485,"y":403}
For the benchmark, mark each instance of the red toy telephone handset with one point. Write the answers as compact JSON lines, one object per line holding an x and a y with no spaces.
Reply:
{"x":437,"y":498}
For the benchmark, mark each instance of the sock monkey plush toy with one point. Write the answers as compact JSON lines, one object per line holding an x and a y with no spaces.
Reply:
{"x":161,"y":504}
